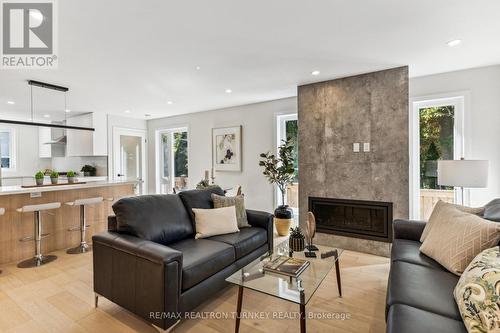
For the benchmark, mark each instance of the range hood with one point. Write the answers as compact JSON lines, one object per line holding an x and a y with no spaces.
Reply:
{"x":62,"y":140}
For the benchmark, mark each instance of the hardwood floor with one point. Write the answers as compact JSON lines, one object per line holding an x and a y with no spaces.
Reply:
{"x":58,"y":297}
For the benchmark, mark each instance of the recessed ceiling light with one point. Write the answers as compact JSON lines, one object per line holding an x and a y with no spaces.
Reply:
{"x":46,"y":115}
{"x":11,"y":102}
{"x":198,"y":68}
{"x":228,"y":91}
{"x":127,"y":111}
{"x":67,"y":110}
{"x":170,"y":102}
{"x":315,"y":72}
{"x":454,"y":42}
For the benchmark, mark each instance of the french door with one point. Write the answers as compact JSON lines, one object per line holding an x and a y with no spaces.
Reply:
{"x":172,"y":160}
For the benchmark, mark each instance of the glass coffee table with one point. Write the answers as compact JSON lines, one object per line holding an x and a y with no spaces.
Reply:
{"x":297,"y":290}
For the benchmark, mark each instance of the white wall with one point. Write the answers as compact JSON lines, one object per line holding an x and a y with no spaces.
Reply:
{"x":482,"y":117}
{"x":258,"y":135}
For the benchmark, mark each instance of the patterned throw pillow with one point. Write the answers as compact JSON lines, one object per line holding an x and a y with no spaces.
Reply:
{"x":478,"y":293}
{"x":237,"y":201}
{"x":456,"y":237}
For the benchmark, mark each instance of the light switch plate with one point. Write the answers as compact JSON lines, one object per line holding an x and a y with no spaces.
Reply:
{"x":366,"y":147}
{"x":355,"y":147}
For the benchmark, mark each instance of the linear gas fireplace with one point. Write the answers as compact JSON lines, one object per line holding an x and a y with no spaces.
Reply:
{"x":353,"y":218}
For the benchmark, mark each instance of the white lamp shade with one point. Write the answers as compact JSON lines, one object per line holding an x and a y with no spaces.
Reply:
{"x":463,"y":173}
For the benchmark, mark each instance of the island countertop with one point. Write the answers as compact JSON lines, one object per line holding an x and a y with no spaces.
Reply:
{"x":89,"y":182}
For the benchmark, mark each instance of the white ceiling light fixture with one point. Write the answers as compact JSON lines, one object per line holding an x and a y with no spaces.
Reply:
{"x":46,"y":115}
{"x":228,"y":91}
{"x":67,"y":110}
{"x":197,"y":68}
{"x":170,"y":102}
{"x":127,"y":111}
{"x":11,"y":102}
{"x":454,"y":42}
{"x":315,"y":72}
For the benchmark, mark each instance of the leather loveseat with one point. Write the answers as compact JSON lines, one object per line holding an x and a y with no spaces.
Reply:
{"x":420,"y":291}
{"x":149,"y":262}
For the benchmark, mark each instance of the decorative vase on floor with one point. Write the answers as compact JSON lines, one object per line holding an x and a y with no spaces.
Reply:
{"x":283,"y":217}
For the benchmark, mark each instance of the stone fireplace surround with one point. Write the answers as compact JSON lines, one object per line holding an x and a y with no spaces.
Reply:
{"x":332,"y":116}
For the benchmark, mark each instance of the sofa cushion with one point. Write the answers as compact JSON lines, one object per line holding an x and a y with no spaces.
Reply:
{"x":425,"y":288}
{"x":202,"y":258}
{"x":199,"y":199}
{"x":161,"y":219}
{"x":245,"y":241}
{"x":492,"y":210}
{"x":409,"y":251}
{"x":407,"y":319}
{"x":216,"y":221}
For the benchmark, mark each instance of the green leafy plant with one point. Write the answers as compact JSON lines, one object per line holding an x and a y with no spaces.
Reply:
{"x":91,"y":170}
{"x":296,"y":233}
{"x":39,"y":175}
{"x":54,"y":174}
{"x":280,"y":170}
{"x":70,"y":173}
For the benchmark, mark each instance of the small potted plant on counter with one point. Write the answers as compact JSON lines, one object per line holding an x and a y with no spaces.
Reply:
{"x":54,"y":177}
{"x":71,"y":176}
{"x":88,"y":170}
{"x":296,"y":242}
{"x":39,"y":178}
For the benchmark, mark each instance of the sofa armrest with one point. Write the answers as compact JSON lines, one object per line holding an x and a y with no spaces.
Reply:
{"x":139,"y":275}
{"x":112,"y":224}
{"x":262,"y":220}
{"x":408,"y":229}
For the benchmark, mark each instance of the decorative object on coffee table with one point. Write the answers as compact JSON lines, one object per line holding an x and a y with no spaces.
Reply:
{"x":311,"y":231}
{"x":39,"y":178}
{"x":280,"y":171}
{"x":226,"y":149}
{"x":54,"y":177}
{"x":296,"y":240}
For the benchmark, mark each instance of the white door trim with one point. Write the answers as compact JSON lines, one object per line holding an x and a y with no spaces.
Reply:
{"x":460,"y":100}
{"x":117,"y":131}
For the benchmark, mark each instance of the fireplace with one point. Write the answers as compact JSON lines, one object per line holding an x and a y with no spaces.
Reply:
{"x":353,"y":218}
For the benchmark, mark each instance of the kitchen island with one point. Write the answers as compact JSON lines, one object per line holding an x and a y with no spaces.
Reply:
{"x":15,"y":226}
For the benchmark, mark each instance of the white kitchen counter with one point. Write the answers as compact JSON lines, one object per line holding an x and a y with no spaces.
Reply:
{"x":90,"y":182}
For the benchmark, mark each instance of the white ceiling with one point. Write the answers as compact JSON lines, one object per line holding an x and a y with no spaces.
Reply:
{"x":118,"y":55}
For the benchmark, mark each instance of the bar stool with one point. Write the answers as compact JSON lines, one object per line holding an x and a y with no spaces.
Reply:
{"x":83,"y":247}
{"x":2,"y":212}
{"x":39,"y":258}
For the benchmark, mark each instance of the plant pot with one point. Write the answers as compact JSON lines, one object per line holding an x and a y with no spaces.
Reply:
{"x":297,"y":244}
{"x":86,"y":174}
{"x":283,"y":218}
{"x":39,"y":182}
{"x":71,"y":180}
{"x":54,"y":180}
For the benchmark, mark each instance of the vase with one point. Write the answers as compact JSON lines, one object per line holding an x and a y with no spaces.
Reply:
{"x":71,"y":180}
{"x":283,"y":218}
{"x":39,"y":182}
{"x":296,"y":244}
{"x":54,"y":180}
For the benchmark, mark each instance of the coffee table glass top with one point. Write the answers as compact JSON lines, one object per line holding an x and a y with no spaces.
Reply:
{"x":297,"y":290}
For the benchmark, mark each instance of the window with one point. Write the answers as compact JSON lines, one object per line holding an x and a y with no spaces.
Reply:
{"x":7,"y":149}
{"x":173,"y":173}
{"x":437,"y":134}
{"x":288,"y":128}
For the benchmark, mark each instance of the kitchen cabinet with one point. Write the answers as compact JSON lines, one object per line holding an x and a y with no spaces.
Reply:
{"x":87,"y":143}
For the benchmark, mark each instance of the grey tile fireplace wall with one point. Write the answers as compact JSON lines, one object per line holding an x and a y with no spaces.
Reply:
{"x":333,"y":115}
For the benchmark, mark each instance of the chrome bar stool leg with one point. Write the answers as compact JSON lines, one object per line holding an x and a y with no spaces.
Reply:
{"x":84,"y":246}
{"x":39,"y":259}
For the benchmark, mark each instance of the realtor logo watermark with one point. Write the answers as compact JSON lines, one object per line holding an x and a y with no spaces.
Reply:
{"x":29,"y":34}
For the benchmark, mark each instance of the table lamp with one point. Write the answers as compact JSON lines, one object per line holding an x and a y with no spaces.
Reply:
{"x":463,"y":173}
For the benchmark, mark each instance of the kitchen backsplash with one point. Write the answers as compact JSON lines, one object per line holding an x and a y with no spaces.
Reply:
{"x":75,"y":163}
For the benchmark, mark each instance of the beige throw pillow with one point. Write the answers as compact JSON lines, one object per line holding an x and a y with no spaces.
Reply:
{"x":456,"y":237}
{"x":476,"y":211}
{"x":217,"y":221}
{"x":238,"y":202}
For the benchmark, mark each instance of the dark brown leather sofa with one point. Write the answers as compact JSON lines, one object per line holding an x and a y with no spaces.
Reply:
{"x":420,"y":291}
{"x":149,"y":262}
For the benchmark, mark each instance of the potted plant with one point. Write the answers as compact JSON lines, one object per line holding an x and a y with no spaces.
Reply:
{"x":89,"y":170}
{"x":54,"y":177}
{"x":280,"y":171}
{"x":39,"y":178}
{"x":296,"y":242}
{"x":71,"y":176}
